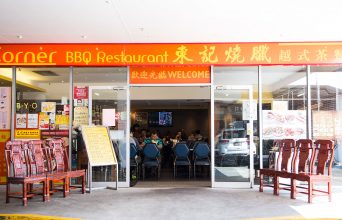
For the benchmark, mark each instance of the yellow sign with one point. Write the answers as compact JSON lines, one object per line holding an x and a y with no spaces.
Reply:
{"x":62,"y":119}
{"x":27,"y":134}
{"x":99,"y":147}
{"x":33,"y":217}
{"x":5,"y":135}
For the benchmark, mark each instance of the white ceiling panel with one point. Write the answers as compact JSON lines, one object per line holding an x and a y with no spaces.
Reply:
{"x":118,"y":21}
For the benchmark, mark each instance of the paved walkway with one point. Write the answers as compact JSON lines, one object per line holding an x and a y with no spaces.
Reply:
{"x":181,"y":203}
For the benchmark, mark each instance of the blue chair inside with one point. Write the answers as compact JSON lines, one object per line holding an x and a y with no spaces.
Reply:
{"x":201,"y":151}
{"x":151,"y":154}
{"x":133,"y":151}
{"x":201,"y":155}
{"x":181,"y":151}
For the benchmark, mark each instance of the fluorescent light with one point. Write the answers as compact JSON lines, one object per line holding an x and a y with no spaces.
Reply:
{"x":301,"y":94}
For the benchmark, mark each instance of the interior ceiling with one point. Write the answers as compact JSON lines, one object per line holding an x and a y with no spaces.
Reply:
{"x":152,"y":21}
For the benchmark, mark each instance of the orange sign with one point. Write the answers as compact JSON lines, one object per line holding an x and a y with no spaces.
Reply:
{"x":169,"y":74}
{"x":171,"y":54}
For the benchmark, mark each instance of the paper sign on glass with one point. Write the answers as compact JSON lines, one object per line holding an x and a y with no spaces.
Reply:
{"x":108,"y":117}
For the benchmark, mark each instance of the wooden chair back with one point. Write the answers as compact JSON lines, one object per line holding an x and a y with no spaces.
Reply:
{"x":36,"y":156}
{"x":57,"y":154}
{"x":15,"y":159}
{"x":304,"y":155}
{"x":323,"y":153}
{"x":286,"y":154}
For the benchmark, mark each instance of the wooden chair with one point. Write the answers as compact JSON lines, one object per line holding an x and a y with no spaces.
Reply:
{"x":300,"y":164}
{"x":323,"y":153}
{"x":56,"y":164}
{"x":283,"y":163}
{"x":17,"y":160}
{"x":73,"y":173}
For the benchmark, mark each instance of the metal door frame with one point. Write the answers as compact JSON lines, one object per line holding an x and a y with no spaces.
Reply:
{"x":251,"y":160}
{"x":91,"y":88}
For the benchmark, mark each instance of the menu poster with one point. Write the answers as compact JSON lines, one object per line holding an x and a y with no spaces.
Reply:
{"x":80,"y":92}
{"x":21,"y":120}
{"x":62,"y":121}
{"x":49,"y":107}
{"x":284,"y":124}
{"x":32,"y":120}
{"x":43,"y":121}
{"x":5,"y":108}
{"x":81,"y":115}
{"x":98,"y":145}
{"x":66,"y":109}
{"x":323,"y":124}
{"x":59,"y":109}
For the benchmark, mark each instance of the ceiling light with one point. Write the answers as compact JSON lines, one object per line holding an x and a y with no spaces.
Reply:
{"x":108,"y":1}
{"x":97,"y":94}
{"x":20,"y":36}
{"x":301,"y":94}
{"x":83,"y":36}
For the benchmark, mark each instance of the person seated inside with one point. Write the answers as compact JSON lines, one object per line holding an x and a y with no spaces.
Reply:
{"x":198,"y":136}
{"x":154,"y":139}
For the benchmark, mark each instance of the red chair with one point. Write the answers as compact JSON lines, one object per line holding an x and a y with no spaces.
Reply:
{"x":56,"y":172}
{"x":301,"y":161}
{"x":286,"y":153}
{"x":74,"y":173}
{"x":323,"y":153}
{"x":17,"y":160}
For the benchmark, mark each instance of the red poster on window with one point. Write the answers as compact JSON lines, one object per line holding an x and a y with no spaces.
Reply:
{"x":80,"y":92}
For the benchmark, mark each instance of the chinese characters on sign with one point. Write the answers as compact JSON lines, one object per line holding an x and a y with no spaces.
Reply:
{"x":170,"y":54}
{"x":169,"y":74}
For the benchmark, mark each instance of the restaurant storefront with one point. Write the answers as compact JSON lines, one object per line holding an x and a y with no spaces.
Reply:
{"x":267,"y":91}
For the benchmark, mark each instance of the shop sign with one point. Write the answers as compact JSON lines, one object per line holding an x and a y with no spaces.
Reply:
{"x":169,"y":74}
{"x":27,"y":134}
{"x":80,"y":92}
{"x":285,"y":53}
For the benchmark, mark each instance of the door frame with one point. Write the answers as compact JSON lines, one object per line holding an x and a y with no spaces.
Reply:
{"x":251,"y":161}
{"x":90,"y":104}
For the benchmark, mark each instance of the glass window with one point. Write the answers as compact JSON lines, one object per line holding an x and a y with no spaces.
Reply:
{"x":99,"y":90}
{"x":5,"y":116}
{"x":42,"y":103}
{"x":326,"y":105}
{"x":284,"y":103}
{"x":235,"y":114}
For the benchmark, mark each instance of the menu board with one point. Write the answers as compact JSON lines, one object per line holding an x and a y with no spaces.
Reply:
{"x":81,"y":115}
{"x":284,"y":124}
{"x":98,"y":145}
{"x":323,"y":124}
{"x":5,"y":108}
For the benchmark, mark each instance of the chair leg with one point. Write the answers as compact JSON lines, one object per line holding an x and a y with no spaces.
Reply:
{"x":24,"y":194}
{"x":83,"y":184}
{"x":329,"y":190}
{"x":275,"y":185}
{"x":174,"y":171}
{"x":159,"y":167}
{"x":47,"y":190}
{"x":143,"y":170}
{"x":261,"y":183}
{"x":44,"y":191}
{"x":293,"y":188}
{"x":194,"y":171}
{"x":8,"y":189}
{"x":310,"y":185}
{"x":189,"y":171}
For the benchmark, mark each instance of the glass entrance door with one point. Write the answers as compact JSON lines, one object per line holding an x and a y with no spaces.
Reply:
{"x":232,"y":144}
{"x":108,"y":106}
